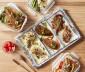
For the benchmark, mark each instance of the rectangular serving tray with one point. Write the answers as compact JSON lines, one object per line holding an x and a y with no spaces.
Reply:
{"x":70,"y":23}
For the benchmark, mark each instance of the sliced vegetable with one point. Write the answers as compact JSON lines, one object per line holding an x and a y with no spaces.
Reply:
{"x":45,"y":24}
{"x":61,"y":64}
{"x":67,"y":34}
{"x":43,"y":31}
{"x":67,"y":65}
{"x":12,"y":18}
{"x":53,"y":45}
{"x":41,"y":39}
{"x":58,"y":23}
{"x":35,"y":5}
{"x":72,"y":68}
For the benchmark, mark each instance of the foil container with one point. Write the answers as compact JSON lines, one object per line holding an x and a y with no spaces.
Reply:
{"x":14,"y":6}
{"x":63,"y":56}
{"x":44,"y":10}
{"x":63,"y":45}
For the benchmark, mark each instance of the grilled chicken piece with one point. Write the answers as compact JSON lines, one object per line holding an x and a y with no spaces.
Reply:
{"x":28,"y":39}
{"x":41,"y":30}
{"x":67,"y":34}
{"x":51,"y":43}
{"x":67,"y":65}
{"x":38,"y":52}
{"x":58,"y":23}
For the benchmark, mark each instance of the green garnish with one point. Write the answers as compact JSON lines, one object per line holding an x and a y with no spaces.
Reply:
{"x":38,"y":57}
{"x":16,"y":19}
{"x":45,"y":24}
{"x":35,"y":5}
{"x":20,"y":14}
{"x":37,"y":8}
{"x":63,"y":21}
{"x":5,"y":20}
{"x":0,"y":17}
{"x":41,"y":39}
{"x":12,"y":15}
{"x":43,"y":48}
{"x":43,"y":31}
{"x":5,"y":8}
{"x":17,"y":22}
{"x":53,"y":46}
{"x":35,"y":60}
{"x":72,"y":68}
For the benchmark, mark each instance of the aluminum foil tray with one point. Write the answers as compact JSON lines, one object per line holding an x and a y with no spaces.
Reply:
{"x":52,"y":42}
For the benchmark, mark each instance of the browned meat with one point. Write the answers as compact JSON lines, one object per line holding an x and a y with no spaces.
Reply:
{"x":67,"y":34}
{"x":41,"y":30}
{"x":58,"y":23}
{"x":51,"y":43}
{"x":38,"y":53}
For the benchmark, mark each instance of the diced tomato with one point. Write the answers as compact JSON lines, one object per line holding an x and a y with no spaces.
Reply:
{"x":9,"y":23}
{"x":12,"y":45}
{"x":23,"y":17}
{"x":61,"y":64}
{"x":8,"y":46}
{"x":5,"y":46}
{"x":10,"y":49}
{"x":19,"y":26}
{"x":75,"y":63}
{"x":6,"y":49}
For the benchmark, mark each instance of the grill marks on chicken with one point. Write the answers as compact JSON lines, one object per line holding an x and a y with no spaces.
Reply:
{"x":58,"y":23}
